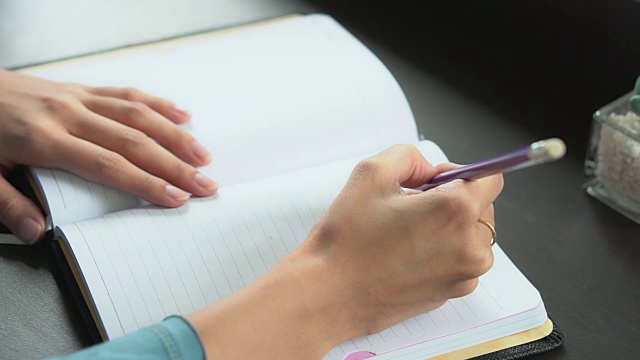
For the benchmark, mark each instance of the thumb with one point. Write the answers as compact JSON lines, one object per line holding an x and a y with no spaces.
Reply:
{"x":405,"y":165}
{"x":20,"y":214}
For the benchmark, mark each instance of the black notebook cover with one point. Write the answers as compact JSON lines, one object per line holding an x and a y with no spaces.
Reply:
{"x":547,"y":343}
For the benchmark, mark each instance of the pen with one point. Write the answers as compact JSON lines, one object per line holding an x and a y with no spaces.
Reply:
{"x":539,"y":152}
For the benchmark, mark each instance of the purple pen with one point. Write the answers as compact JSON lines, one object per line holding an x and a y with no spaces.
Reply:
{"x":537,"y":153}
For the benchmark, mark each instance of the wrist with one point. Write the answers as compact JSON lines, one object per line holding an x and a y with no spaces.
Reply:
{"x":290,"y":313}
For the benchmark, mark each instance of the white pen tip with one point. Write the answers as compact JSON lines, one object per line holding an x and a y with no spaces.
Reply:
{"x":549,"y":149}
{"x":555,"y":148}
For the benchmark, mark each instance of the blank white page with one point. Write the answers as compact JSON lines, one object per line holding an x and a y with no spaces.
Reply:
{"x":142,"y":265}
{"x":265,"y":100}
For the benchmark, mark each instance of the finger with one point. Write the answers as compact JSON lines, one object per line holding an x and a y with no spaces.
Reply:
{"x":399,"y":165}
{"x":475,"y":256}
{"x":141,"y":151}
{"x":486,"y":189}
{"x":447,"y":166}
{"x":439,"y":169}
{"x":477,"y":194}
{"x":462,"y":288}
{"x":483,"y":231}
{"x":162,"y":106}
{"x":20,"y":214}
{"x":109,"y":168}
{"x":140,"y":116}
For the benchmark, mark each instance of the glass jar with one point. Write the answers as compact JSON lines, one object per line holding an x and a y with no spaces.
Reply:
{"x":612,"y":164}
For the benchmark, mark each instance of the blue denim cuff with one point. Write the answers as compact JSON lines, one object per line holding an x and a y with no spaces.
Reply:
{"x":179,"y":338}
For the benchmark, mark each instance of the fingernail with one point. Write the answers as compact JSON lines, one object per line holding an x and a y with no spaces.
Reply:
{"x":205,"y":182}
{"x":182,"y":112}
{"x":200,"y":151}
{"x":176,"y":194}
{"x":29,"y":231}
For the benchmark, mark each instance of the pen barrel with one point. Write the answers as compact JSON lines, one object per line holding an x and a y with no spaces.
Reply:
{"x":513,"y":160}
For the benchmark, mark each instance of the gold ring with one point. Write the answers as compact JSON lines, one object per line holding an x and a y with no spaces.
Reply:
{"x":494,"y":235}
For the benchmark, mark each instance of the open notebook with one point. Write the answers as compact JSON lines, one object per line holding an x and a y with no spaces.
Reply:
{"x":287,"y":107}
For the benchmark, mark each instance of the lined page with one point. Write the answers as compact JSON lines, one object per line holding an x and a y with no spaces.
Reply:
{"x":265,"y":100}
{"x":199,"y":253}
{"x":70,"y":198}
{"x":142,"y":265}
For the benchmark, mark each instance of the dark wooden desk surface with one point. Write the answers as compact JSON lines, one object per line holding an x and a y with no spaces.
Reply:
{"x":481,"y":79}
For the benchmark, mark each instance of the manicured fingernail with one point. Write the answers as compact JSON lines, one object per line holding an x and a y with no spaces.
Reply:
{"x":176,"y":194}
{"x":205,"y":183}
{"x":200,"y":151}
{"x":29,"y":231}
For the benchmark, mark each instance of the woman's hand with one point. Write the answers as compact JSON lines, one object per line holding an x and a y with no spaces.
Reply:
{"x":117,"y":137}
{"x":393,"y":255}
{"x":377,"y":257}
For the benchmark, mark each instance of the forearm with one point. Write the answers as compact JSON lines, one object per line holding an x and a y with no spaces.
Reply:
{"x":288,"y":314}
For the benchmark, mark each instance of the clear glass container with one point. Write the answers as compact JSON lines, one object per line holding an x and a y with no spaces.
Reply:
{"x":612,"y":164}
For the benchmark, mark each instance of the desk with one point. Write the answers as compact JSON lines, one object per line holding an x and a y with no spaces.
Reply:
{"x":476,"y":97}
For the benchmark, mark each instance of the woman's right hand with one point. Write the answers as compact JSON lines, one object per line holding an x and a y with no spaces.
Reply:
{"x":392,"y":255}
{"x":377,"y":257}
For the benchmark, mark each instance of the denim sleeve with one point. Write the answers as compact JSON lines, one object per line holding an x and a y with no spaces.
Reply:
{"x":172,"y":339}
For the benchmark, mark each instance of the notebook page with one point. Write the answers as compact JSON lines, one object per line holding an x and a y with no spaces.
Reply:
{"x":265,"y":100}
{"x":142,"y":265}
{"x":228,"y":231}
{"x":70,"y":197}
